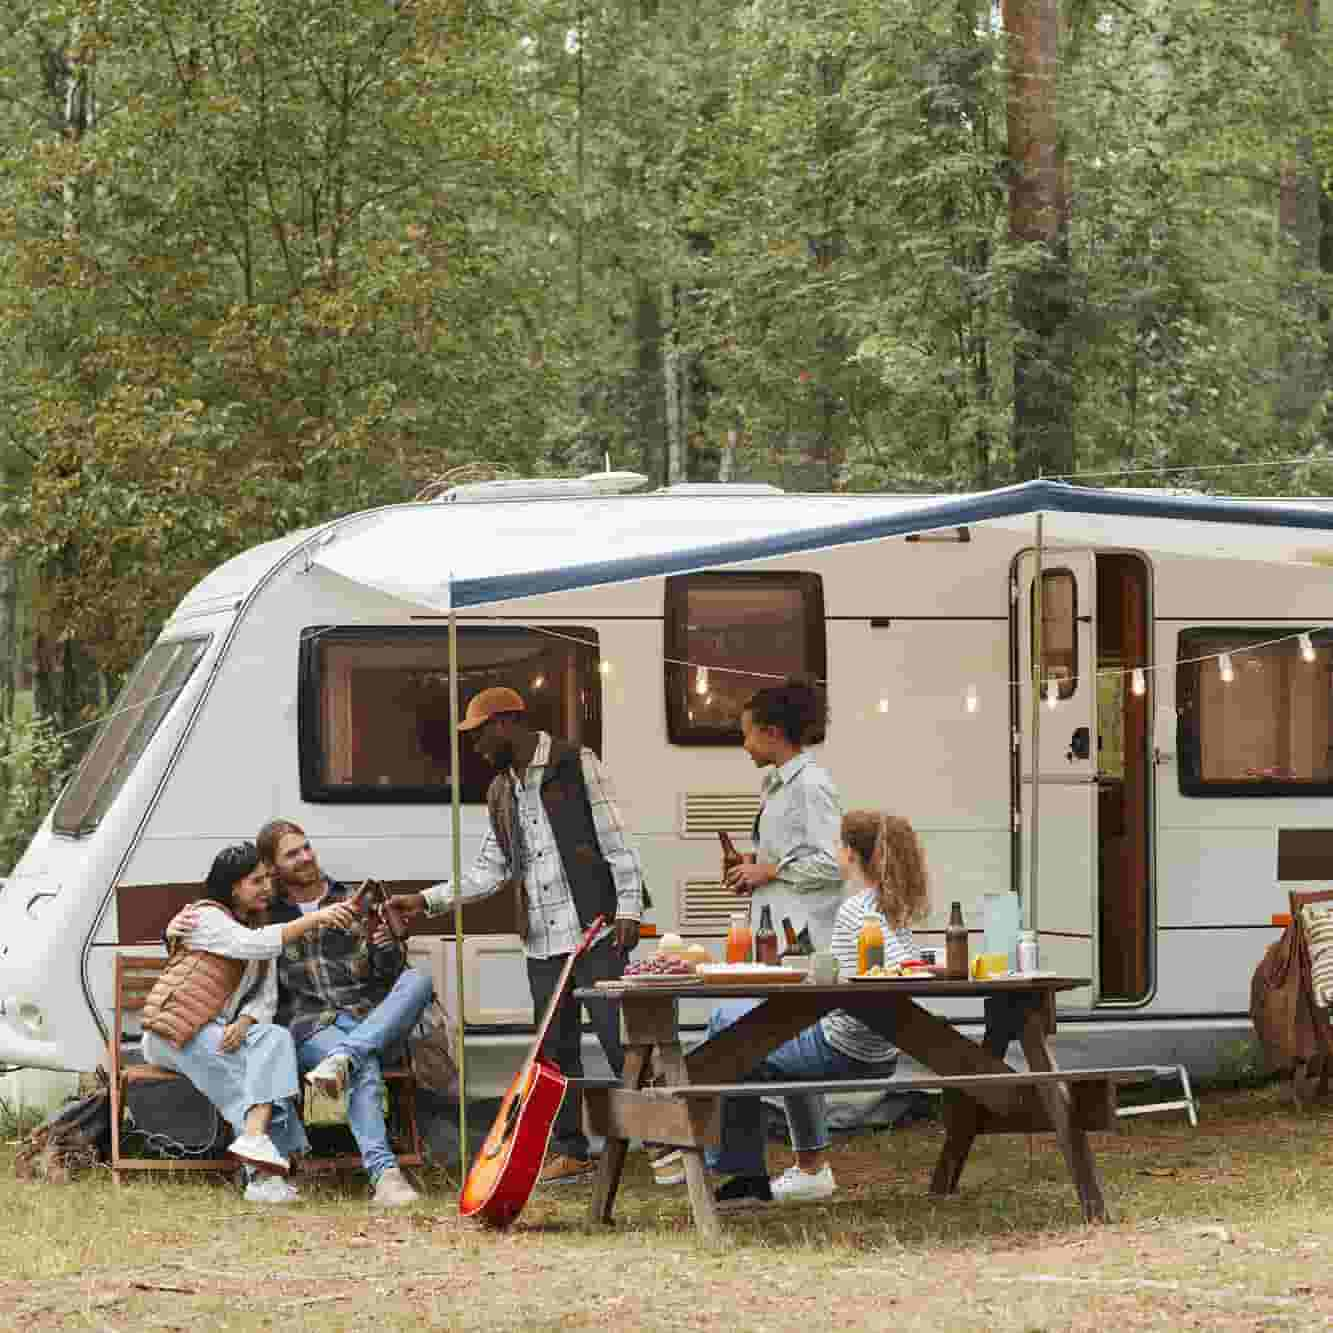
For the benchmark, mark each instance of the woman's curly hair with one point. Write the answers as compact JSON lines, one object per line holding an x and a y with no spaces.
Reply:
{"x":894,"y":862}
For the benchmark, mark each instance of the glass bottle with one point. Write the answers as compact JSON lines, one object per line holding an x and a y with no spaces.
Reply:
{"x":730,"y":856}
{"x":739,"y":938}
{"x":793,"y":945}
{"x":955,"y":944}
{"x":766,"y":938}
{"x":869,"y":945}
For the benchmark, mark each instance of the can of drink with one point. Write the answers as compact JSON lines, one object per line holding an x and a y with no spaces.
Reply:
{"x":1027,"y":950}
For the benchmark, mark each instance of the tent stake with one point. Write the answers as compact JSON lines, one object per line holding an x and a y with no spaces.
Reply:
{"x":456,"y":814}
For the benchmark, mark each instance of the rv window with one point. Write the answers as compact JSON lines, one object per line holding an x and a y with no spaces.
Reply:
{"x":730,"y":634}
{"x":374,"y":704}
{"x":124,"y":735}
{"x":1268,"y":731}
{"x":1059,"y":630}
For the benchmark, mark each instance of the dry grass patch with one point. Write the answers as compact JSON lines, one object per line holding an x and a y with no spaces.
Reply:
{"x":1226,"y":1226}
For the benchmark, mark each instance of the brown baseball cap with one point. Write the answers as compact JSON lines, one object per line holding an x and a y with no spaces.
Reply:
{"x":484,"y":706}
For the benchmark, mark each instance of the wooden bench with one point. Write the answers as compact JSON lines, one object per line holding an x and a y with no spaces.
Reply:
{"x":134,"y":979}
{"x":1092,"y":1098}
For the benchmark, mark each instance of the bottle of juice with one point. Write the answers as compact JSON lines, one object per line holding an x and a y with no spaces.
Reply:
{"x":869,"y":946}
{"x":740,"y":940}
{"x":955,"y":944}
{"x":766,"y":939}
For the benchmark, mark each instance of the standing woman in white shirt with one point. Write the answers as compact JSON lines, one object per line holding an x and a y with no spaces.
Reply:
{"x":794,"y":868}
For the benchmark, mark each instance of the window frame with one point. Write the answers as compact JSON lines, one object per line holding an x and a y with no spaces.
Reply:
{"x":1070,"y":681}
{"x":680,"y":730}
{"x":1270,"y":789}
{"x":111,"y":782}
{"x":310,"y":727}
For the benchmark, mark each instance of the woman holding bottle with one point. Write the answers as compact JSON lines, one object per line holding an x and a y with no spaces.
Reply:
{"x":885,"y":869}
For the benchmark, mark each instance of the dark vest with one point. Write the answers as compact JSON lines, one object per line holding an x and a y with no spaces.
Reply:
{"x":564,"y":797}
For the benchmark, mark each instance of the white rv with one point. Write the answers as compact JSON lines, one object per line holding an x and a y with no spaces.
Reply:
{"x":1185,"y":736}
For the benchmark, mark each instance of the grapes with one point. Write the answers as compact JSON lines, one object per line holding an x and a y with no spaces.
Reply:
{"x":660,"y":966}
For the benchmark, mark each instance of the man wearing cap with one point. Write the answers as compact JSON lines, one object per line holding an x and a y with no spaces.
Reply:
{"x":557,"y":836}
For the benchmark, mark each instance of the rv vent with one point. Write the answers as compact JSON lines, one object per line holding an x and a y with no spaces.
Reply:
{"x":706,"y":813}
{"x":704,"y":907}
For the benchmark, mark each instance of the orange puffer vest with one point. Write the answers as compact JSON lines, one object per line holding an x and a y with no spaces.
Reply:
{"x":192,"y":990}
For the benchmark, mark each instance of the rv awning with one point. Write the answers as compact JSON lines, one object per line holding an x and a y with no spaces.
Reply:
{"x":454,"y":556}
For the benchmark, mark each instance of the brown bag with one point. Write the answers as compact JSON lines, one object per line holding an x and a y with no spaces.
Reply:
{"x":1290,"y":1028}
{"x":433,"y":1055}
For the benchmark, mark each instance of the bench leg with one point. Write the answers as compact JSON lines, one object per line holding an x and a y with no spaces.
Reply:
{"x":960,"y":1129}
{"x":1073,"y":1140}
{"x":696,"y":1174}
{"x":612,"y":1166}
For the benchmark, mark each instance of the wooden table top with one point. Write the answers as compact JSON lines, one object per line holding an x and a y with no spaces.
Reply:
{"x":924,"y":987}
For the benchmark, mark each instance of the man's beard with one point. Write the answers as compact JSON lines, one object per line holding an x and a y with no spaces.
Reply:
{"x":302,"y":877}
{"x":502,"y":755}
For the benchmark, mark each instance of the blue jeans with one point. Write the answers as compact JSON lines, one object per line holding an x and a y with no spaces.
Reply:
{"x":262,"y":1070}
{"x":807,"y":1055}
{"x":364,"y":1040}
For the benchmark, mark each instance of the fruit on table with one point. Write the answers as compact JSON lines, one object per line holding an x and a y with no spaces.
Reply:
{"x":670,"y":943}
{"x":660,"y":966}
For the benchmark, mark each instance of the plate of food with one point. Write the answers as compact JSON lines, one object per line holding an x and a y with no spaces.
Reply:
{"x":734,"y":974}
{"x":902,"y":972}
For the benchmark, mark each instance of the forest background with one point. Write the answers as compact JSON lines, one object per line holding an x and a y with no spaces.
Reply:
{"x":270,"y":261}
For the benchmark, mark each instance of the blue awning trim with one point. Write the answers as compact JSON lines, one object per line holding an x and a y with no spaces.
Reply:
{"x":1029,"y":497}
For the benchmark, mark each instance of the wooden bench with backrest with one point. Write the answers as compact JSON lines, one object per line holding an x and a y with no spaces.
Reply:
{"x":135,"y":976}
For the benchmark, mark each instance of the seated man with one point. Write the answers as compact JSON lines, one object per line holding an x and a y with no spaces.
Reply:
{"x":347,"y":998}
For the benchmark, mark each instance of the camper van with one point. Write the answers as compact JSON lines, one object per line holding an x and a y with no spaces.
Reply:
{"x":1151,"y":786}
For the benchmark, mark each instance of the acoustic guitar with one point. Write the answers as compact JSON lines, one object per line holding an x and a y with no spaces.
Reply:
{"x":502,"y":1178}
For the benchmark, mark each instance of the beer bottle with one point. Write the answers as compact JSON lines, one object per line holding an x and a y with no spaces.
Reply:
{"x":955,"y":944}
{"x":793,"y":945}
{"x":730,"y":856}
{"x":766,"y":938}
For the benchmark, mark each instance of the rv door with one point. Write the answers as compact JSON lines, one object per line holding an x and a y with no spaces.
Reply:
{"x":1061,"y":906}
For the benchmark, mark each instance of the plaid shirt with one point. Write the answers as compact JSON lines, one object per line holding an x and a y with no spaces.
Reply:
{"x":553,"y":920}
{"x":328,"y":972}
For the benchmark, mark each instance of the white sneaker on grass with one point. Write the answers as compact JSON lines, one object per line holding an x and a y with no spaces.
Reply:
{"x":270,"y":1189}
{"x":669,"y":1168}
{"x":797,"y":1186}
{"x":393,"y":1190}
{"x":259,"y":1150}
{"x":330,"y":1075}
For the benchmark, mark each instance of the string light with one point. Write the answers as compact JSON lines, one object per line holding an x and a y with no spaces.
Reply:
{"x":604,"y":667}
{"x":884,"y":705}
{"x":538,"y":682}
{"x":1139,"y":682}
{"x":1052,"y":692}
{"x":971,"y":701}
{"x":701,"y":680}
{"x":1307,"y":647}
{"x":1225,"y":669}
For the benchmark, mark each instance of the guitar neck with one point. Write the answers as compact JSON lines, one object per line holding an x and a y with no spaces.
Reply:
{"x":561,"y":986}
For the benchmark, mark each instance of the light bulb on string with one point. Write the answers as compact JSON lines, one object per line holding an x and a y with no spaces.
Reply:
{"x":701,"y":680}
{"x":971,"y":701}
{"x":1138,"y":682}
{"x":538,"y":682}
{"x":1052,"y":692}
{"x":1225,"y":669}
{"x":1307,"y":647}
{"x":884,"y":705}
{"x":604,"y":667}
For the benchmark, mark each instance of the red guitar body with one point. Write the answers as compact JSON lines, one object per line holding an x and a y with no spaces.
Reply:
{"x":503,"y":1176}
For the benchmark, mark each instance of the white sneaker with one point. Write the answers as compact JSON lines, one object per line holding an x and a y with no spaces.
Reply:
{"x":392,"y":1189}
{"x":270,"y":1189}
{"x":330,"y":1075}
{"x":259,"y":1150}
{"x":669,"y":1169}
{"x":797,"y":1186}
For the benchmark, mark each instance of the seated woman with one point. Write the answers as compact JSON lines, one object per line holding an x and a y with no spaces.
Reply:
{"x":885,"y":871}
{"x":209,"y":1016}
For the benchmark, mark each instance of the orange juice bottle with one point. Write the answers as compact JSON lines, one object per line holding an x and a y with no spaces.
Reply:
{"x":740,"y":939}
{"x":869,"y":946}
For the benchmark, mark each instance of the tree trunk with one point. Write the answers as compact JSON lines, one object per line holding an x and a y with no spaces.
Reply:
{"x":9,"y":639}
{"x":1043,"y":429}
{"x":675,"y":453}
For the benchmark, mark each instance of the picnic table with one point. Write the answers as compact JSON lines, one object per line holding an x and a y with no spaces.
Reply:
{"x":982,"y":1094}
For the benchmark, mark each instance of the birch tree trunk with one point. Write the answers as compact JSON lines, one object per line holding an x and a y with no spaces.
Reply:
{"x":675,"y":454}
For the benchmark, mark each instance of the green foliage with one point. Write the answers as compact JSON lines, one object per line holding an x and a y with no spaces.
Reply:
{"x":34,"y":760}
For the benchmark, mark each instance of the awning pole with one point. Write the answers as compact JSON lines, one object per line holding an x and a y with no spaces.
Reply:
{"x":1038,"y":615}
{"x":456,"y":813}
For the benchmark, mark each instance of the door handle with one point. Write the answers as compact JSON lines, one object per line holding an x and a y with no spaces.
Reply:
{"x":1080,"y":744}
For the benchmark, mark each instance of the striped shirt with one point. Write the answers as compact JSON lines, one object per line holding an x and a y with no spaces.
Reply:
{"x":843,"y":1032}
{"x":553,"y":919}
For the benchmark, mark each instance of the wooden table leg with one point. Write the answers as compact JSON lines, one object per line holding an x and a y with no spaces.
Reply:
{"x":638,"y":1063}
{"x":696,"y":1175}
{"x":960,"y":1129}
{"x":1073,"y":1140}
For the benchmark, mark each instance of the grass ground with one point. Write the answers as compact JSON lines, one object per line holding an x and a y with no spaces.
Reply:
{"x":1228,"y":1226}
